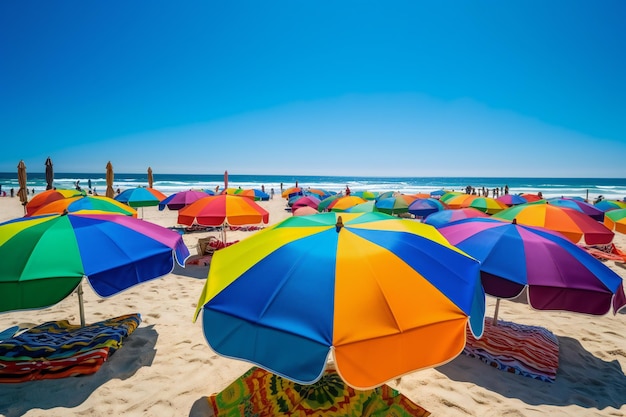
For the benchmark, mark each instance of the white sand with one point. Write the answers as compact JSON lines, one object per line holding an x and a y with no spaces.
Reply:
{"x":166,"y":368}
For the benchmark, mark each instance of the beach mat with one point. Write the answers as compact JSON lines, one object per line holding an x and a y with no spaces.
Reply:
{"x":58,"y":349}
{"x":530,"y":351}
{"x":261,"y":393}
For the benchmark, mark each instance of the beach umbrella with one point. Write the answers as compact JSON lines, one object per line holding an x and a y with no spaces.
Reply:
{"x":573,"y":224}
{"x":450,"y":195}
{"x":438,"y":193}
{"x":458,"y":200}
{"x":447,"y":216}
{"x":584,"y":207}
{"x":485,"y":204}
{"x":45,"y":258}
{"x":323,"y":205}
{"x":304,"y":211}
{"x":393,"y":205}
{"x":531,"y":198}
{"x":256,"y":195}
{"x":511,"y":199}
{"x":423,"y":207}
{"x":109,"y":179}
{"x":140,"y":197}
{"x":49,"y":174}
{"x":616,"y":220}
{"x":223,"y":209}
{"x":82,"y":203}
{"x":181,"y":199}
{"x":49,"y":196}
{"x":308,"y":200}
{"x":22,"y":193}
{"x":385,"y":296}
{"x":290,"y":192}
{"x":345,"y":202}
{"x":558,"y":274}
{"x":606,"y":205}
{"x":367,"y":207}
{"x":150,"y":178}
{"x":366,"y":195}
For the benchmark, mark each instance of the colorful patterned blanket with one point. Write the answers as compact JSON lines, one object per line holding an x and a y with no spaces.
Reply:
{"x":525,"y":350}
{"x":59,"y":349}
{"x":261,"y":393}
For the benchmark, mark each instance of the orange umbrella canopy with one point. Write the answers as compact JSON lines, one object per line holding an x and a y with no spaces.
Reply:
{"x":217,"y":210}
{"x":345,"y":202}
{"x":48,"y":196}
{"x":573,"y":224}
{"x":89,"y":204}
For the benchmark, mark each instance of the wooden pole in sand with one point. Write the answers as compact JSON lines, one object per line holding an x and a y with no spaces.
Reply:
{"x":495,"y":314}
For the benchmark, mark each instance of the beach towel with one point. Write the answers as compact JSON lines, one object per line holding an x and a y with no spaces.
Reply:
{"x":530,"y":351}
{"x":261,"y":393}
{"x":58,"y":349}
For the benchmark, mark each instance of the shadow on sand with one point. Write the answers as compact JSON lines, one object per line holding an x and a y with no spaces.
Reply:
{"x":137,"y":351}
{"x":192,"y":271}
{"x":582,"y":379}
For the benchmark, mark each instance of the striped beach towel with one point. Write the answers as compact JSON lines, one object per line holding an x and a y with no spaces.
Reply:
{"x":531,"y":351}
{"x":58,"y":349}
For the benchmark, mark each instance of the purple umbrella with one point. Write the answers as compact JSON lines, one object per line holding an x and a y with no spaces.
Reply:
{"x":181,"y":199}
{"x":512,"y":199}
{"x":423,"y":207}
{"x":558,"y":274}
{"x":442,"y":218}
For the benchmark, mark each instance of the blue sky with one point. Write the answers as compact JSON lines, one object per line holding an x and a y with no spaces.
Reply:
{"x":401,"y":88}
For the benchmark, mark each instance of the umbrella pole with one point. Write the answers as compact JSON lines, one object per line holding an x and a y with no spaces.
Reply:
{"x":81,"y":307}
{"x":495,"y":314}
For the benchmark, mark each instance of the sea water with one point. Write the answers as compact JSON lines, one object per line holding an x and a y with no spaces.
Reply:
{"x":591,"y":188}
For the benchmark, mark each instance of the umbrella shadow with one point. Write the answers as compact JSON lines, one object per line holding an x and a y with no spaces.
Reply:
{"x":137,"y":351}
{"x":192,"y":271}
{"x":201,"y":408}
{"x":582,"y":379}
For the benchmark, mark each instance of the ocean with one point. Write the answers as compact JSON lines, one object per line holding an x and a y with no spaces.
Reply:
{"x":591,"y":188}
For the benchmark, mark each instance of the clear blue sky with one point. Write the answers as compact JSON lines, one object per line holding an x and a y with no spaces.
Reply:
{"x":410,"y":88}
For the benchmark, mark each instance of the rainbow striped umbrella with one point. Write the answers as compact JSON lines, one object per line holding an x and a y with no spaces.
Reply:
{"x":83,"y":204}
{"x":606,"y":205}
{"x":45,"y":258}
{"x":447,"y":216}
{"x":140,"y":197}
{"x":385,"y":296}
{"x":616,"y":220}
{"x":571,"y":223}
{"x":49,"y":196}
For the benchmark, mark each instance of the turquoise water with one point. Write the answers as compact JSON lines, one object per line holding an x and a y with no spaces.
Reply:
{"x":611,"y":188}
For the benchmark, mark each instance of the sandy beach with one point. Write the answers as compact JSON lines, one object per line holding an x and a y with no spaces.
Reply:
{"x":166,"y":368}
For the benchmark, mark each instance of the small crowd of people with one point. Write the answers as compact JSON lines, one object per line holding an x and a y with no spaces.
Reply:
{"x":485,"y":192}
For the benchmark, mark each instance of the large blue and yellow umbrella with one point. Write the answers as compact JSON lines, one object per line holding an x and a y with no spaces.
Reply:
{"x":385,"y":296}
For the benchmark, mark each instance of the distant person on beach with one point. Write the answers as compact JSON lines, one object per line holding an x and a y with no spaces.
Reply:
{"x":506,"y":189}
{"x":118,"y":190}
{"x":281,"y":187}
{"x":272,"y":193}
{"x":12,"y":192}
{"x":347,"y":190}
